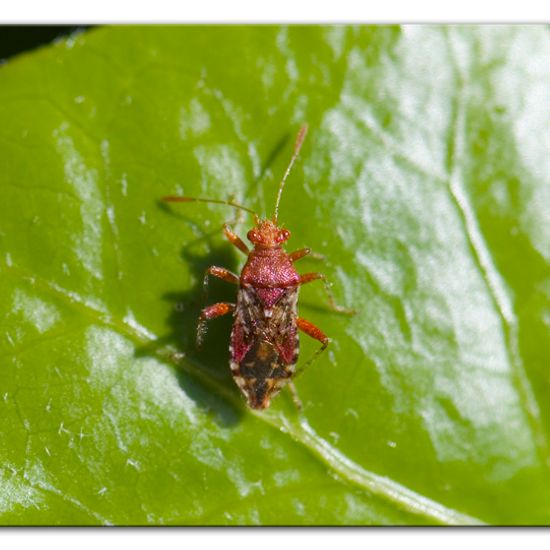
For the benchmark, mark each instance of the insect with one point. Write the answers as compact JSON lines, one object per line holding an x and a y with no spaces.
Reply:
{"x":264,"y":338}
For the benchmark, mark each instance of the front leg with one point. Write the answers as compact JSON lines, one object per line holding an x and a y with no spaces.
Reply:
{"x":211,"y":312}
{"x":235,"y":240}
{"x":299,"y":254}
{"x":309,"y":277}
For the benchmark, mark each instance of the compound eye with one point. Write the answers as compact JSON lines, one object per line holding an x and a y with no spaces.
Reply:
{"x":252,"y":236}
{"x":284,"y":235}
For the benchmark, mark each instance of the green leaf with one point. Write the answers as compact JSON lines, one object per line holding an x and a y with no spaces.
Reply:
{"x":425,"y":183}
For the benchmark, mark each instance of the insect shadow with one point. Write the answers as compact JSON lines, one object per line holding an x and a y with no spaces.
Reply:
{"x":212,"y":359}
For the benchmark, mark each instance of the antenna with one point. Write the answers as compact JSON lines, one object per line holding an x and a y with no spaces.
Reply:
{"x":302,"y":132}
{"x":229,"y":202}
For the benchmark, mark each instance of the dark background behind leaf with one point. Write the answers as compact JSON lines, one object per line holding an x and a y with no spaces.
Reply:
{"x":15,"y":39}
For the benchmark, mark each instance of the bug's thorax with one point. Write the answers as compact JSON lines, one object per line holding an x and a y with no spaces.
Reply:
{"x":268,"y":265}
{"x":268,"y":270}
{"x":268,"y":273}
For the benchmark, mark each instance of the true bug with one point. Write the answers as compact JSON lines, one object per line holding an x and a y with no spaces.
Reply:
{"x":264,"y":340}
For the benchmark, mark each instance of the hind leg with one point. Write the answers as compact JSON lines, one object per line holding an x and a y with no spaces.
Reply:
{"x":294,"y":394}
{"x":314,"y":332}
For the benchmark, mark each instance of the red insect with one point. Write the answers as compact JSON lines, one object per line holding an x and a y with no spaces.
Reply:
{"x":264,"y":339}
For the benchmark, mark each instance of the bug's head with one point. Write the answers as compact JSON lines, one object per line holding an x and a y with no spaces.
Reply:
{"x":267,"y":234}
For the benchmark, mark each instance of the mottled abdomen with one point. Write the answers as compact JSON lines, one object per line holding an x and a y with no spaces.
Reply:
{"x":264,"y":344}
{"x":261,"y":374}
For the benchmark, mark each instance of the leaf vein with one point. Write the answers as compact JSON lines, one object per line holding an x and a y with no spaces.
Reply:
{"x":486,"y":265}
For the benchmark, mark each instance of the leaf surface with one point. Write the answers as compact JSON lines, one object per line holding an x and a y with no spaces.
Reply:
{"x":424,"y":182}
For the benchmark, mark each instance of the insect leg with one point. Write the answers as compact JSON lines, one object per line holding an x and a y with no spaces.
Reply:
{"x":298,"y":254}
{"x":215,"y":310}
{"x":235,"y":239}
{"x":220,"y":273}
{"x":309,"y":277}
{"x":314,"y":332}
{"x":211,"y":312}
{"x":317,"y":256}
{"x":294,"y":394}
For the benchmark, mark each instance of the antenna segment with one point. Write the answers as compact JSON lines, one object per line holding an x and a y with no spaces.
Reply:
{"x":297,"y":146}
{"x":229,"y":202}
